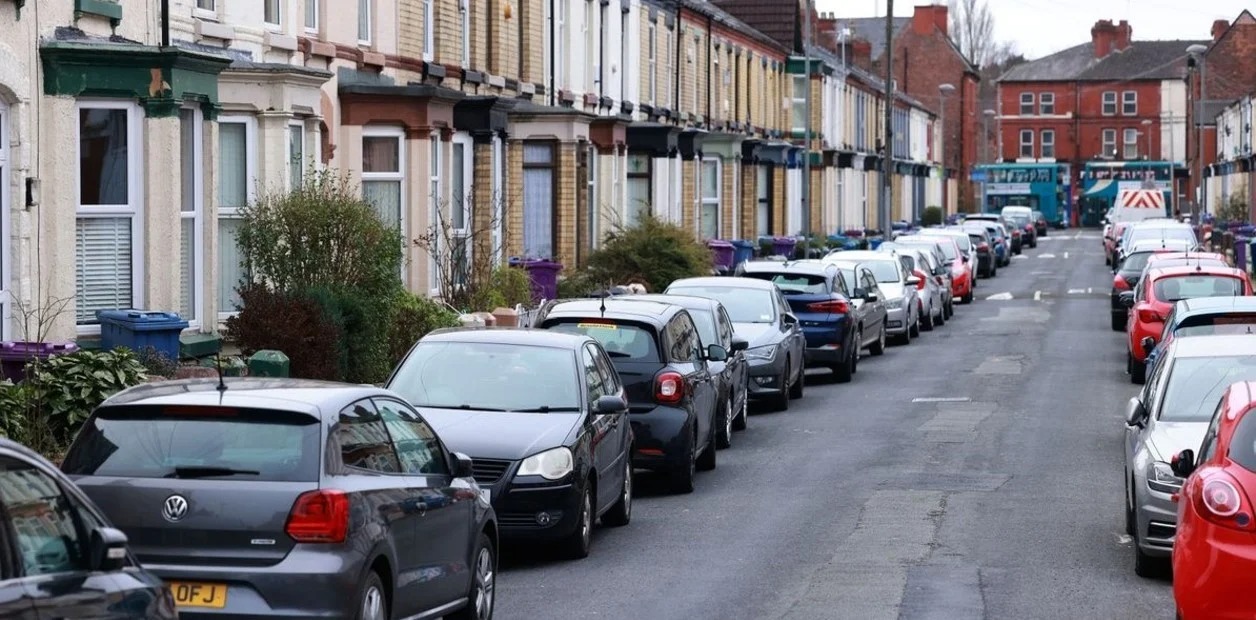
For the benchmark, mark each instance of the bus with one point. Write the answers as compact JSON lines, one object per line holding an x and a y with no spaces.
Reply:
{"x":1040,"y":186}
{"x":1102,"y":182}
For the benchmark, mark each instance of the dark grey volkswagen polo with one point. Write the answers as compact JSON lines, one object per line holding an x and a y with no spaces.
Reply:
{"x":278,"y":498}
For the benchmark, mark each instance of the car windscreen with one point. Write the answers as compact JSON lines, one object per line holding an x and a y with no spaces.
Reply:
{"x":1195,"y":384}
{"x":948,"y":250}
{"x":884,"y":271}
{"x":744,"y":305}
{"x":1183,"y":233}
{"x":1177,"y":288}
{"x":795,"y":283}
{"x":976,"y":239}
{"x":1020,"y":221}
{"x":181,"y":441}
{"x":1165,"y":263}
{"x":491,"y":375}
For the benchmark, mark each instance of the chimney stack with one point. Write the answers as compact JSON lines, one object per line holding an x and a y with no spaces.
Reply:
{"x":930,"y":17}
{"x":861,"y":53}
{"x":1218,"y":29}
{"x":1123,"y":35}
{"x":1103,"y":35}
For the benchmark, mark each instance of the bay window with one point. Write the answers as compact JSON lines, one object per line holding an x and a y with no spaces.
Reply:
{"x":798,"y":104}
{"x":296,"y":154}
{"x":383,"y":156}
{"x":464,"y":11}
{"x":591,"y":198}
{"x":538,"y":200}
{"x":429,"y":29}
{"x":107,"y":249}
{"x":461,"y":222}
{"x":237,"y":173}
{"x":640,"y":188}
{"x":709,"y":218}
{"x":763,"y":212}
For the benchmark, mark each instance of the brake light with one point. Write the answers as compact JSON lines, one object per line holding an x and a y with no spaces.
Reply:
{"x":669,"y":388}
{"x":837,"y":305}
{"x":320,"y":516}
{"x":1147,"y":315}
{"x":920,"y":275}
{"x":1120,"y":284}
{"x":983,"y":247}
{"x":1220,"y":502}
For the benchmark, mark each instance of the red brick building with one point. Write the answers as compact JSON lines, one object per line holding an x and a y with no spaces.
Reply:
{"x":1228,"y":74}
{"x":1110,"y":99}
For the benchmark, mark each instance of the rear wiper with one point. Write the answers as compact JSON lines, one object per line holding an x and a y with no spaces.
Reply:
{"x":193,"y":471}
{"x":546,"y":409}
{"x":787,"y":292}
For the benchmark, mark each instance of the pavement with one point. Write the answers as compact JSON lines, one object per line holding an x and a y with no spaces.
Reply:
{"x":975,"y":473}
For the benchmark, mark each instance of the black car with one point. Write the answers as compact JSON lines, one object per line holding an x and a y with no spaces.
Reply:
{"x":543,"y":417}
{"x":658,"y":354}
{"x":987,"y":258}
{"x":732,"y":375}
{"x":62,"y":558}
{"x":1040,"y":223}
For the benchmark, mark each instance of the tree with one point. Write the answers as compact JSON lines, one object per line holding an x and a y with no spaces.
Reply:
{"x":972,"y":30}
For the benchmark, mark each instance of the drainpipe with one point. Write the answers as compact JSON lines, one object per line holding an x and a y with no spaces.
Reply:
{"x":709,"y":111}
{"x":165,"y":23}
{"x":553,"y":50}
{"x":680,"y":46}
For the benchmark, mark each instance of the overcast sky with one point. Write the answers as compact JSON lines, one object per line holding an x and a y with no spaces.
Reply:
{"x":1041,"y":27}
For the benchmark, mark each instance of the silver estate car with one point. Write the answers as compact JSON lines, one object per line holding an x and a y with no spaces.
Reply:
{"x":1171,"y":414}
{"x":902,"y":302}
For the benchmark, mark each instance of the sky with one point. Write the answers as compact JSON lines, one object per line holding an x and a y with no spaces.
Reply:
{"x":1042,"y":27}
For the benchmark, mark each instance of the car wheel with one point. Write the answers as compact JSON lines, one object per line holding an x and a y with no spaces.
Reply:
{"x":1129,"y":508}
{"x":878,"y":347}
{"x":577,"y":544}
{"x":780,"y":401}
{"x":1118,"y":323}
{"x":795,"y":389}
{"x":724,"y":438}
{"x":706,"y":460}
{"x":621,"y":513}
{"x":914,"y":330}
{"x":968,"y":299}
{"x":372,"y":602}
{"x":1147,"y":566}
{"x":928,"y":321}
{"x":842,"y":372}
{"x":483,"y":584}
{"x":1138,"y":371}
{"x":739,"y":423}
{"x":1107,"y":260}
{"x":941,"y":320}
{"x":682,"y":476}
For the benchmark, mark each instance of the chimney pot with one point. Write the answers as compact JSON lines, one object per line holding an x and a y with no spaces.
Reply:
{"x":1218,"y":29}
{"x":929,"y":17}
{"x":1124,"y":35}
{"x":1103,"y":35}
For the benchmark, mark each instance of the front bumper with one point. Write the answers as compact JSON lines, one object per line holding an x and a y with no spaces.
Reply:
{"x":896,"y":320}
{"x":537,"y":512}
{"x":1155,"y":516}
{"x":765,"y":377}
{"x":660,"y":438}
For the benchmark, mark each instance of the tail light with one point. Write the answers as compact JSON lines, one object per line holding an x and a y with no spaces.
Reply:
{"x":983,"y":247}
{"x":669,"y":388}
{"x":837,"y":305}
{"x":1147,"y":315}
{"x":1120,"y":284}
{"x":1220,"y":502}
{"x":920,"y":275}
{"x":320,"y":516}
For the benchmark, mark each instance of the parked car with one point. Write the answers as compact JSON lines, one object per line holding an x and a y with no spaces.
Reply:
{"x":998,"y":241}
{"x":1213,"y":554}
{"x":1155,"y":295}
{"x":1163,"y":230}
{"x":544,"y":417}
{"x":902,"y":299}
{"x":868,"y":304}
{"x":761,"y":316}
{"x":63,"y":558}
{"x":983,"y":248}
{"x":732,"y":376}
{"x":666,"y":371}
{"x":1040,"y":222}
{"x":1203,"y":316}
{"x":932,"y":291}
{"x":1111,"y":235}
{"x":955,"y":259}
{"x":1169,"y":415}
{"x":1015,"y":236}
{"x":1129,"y":272}
{"x":290,"y":498}
{"x":1187,"y":259}
{"x":822,"y":299}
{"x":1021,"y":218}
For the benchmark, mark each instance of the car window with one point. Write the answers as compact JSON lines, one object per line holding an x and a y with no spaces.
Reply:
{"x":1177,"y":288}
{"x":744,"y":305}
{"x":850,"y":277}
{"x":1208,"y":447}
{"x":726,"y":329}
{"x":1194,"y":385}
{"x":50,"y":533}
{"x":795,"y":283}
{"x":839,"y":284}
{"x":417,"y":446}
{"x":886,"y":271}
{"x":364,"y":440}
{"x":1135,"y":262}
{"x":1204,"y":323}
{"x":610,"y":378}
{"x":682,"y":338}
{"x":870,"y":282}
{"x":496,"y":376}
{"x":160,"y":441}
{"x":592,"y":374}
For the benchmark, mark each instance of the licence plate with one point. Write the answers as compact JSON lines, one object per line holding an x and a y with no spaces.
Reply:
{"x":486,"y":495}
{"x":187,"y":594}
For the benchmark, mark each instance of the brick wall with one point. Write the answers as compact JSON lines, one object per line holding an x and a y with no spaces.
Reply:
{"x":483,"y":201}
{"x":688,"y":194}
{"x":749,"y":194}
{"x":566,"y":210}
{"x":728,"y":181}
{"x":778,"y":200}
{"x":532,"y":19}
{"x":410,"y":29}
{"x":514,"y":197}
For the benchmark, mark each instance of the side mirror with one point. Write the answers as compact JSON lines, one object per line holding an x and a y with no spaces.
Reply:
{"x":611,"y":404}
{"x":108,"y":549}
{"x":1148,"y":343}
{"x":740,"y":344}
{"x":716,"y":353}
{"x":1135,"y":412}
{"x":789,"y":319}
{"x":462,"y":465}
{"x":872,"y":297}
{"x":965,"y":259}
{"x":913,"y":281}
{"x":1127,"y":299}
{"x":1183,"y":463}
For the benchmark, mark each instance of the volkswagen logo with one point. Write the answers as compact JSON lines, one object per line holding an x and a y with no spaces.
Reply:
{"x":174,"y":508}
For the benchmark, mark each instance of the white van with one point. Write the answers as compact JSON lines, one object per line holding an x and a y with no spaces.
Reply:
{"x":1136,"y":205}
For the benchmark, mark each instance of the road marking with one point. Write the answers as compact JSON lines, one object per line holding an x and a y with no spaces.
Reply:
{"x":1124,"y":539}
{"x":1090,"y":291}
{"x":1019,"y":257}
{"x":1078,"y":291}
{"x":1066,"y":255}
{"x":1037,"y":295}
{"x":1046,"y":256}
{"x":999,"y":297}
{"x":941,"y":399}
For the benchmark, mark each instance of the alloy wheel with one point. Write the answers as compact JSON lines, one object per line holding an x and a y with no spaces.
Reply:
{"x":728,"y":422}
{"x":586,"y":520}
{"x":627,"y":492}
{"x":373,"y":604}
{"x":485,"y":585}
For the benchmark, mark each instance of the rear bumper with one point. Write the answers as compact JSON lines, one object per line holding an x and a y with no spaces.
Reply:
{"x":826,"y":341}
{"x":659,"y":437}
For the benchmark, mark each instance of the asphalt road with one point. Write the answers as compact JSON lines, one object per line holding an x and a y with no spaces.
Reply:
{"x":878,"y":500}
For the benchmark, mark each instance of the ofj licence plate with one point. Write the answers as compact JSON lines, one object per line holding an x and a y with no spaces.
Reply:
{"x":188,"y":594}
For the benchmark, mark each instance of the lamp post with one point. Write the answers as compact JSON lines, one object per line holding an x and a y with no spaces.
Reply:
{"x":1147,"y":132}
{"x":986,"y":115}
{"x":943,"y":91}
{"x":1197,"y":51}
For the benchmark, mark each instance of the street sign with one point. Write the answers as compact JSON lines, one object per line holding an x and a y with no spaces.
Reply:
{"x":978,"y":176}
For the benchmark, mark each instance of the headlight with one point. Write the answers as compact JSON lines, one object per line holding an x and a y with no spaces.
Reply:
{"x":762,"y":353}
{"x":1160,"y":477}
{"x":552,"y":464}
{"x":894,"y":304}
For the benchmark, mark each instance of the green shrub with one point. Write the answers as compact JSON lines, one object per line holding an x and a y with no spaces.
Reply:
{"x":507,"y":286}
{"x":412,"y":318}
{"x":933,"y":216}
{"x":364,"y":326}
{"x":157,"y":363}
{"x":298,"y":324}
{"x":577,"y":284}
{"x":14,"y":400}
{"x":653,"y":252}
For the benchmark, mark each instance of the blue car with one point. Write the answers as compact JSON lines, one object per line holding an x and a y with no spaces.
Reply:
{"x":1204,"y":316}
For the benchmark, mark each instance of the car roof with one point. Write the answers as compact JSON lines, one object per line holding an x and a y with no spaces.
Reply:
{"x":1206,"y":270}
{"x":1172,"y":255}
{"x":508,"y":335}
{"x":1213,"y":305}
{"x":862,"y":256}
{"x":808,"y":266}
{"x":684,"y":301}
{"x":1158,"y":223}
{"x":725,"y":281}
{"x":1214,"y":346}
{"x":614,"y":308}
{"x":1151,"y":245}
{"x":303,"y":395}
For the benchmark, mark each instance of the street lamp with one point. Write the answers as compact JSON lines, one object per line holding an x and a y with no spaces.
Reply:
{"x":1147,"y":132}
{"x":987,"y":114}
{"x":943,"y":91}
{"x":1197,"y":51}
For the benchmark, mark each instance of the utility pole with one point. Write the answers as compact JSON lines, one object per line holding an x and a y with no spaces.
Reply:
{"x":887,"y":227}
{"x":806,"y":134}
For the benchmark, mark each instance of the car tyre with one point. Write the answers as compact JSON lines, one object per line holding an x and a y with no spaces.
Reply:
{"x":1138,"y":371}
{"x":373,"y":601}
{"x":724,"y":438}
{"x":780,"y":401}
{"x":621,"y":513}
{"x":968,"y":299}
{"x":1147,"y":566}
{"x":928,"y":321}
{"x":843,"y":372}
{"x":682,"y":476}
{"x":576,"y":545}
{"x":914,"y":330}
{"x":1118,"y":323}
{"x":739,"y":423}
{"x":795,"y":388}
{"x":706,"y":460}
{"x":878,"y":348}
{"x":483,"y":584}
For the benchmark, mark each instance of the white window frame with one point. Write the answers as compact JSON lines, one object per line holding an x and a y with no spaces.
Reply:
{"x":652,"y":56}
{"x":278,"y":21}
{"x":561,"y":61}
{"x":197,"y":215}
{"x":795,"y":100}
{"x":1046,"y":104}
{"x":1107,"y":148}
{"x":1109,"y":102}
{"x":399,"y":133}
{"x":366,"y":18}
{"x":305,"y":152}
{"x":429,"y":30}
{"x":1023,"y":144}
{"x":1046,"y":142}
{"x":1027,"y":104}
{"x":1129,"y":98}
{"x":311,"y":11}
{"x":1127,"y":144}
{"x":717,"y":201}
{"x":435,"y":196}
{"x":135,"y":193}
{"x":464,"y":140}
{"x":464,"y":10}
{"x":251,"y":168}
{"x":591,"y":51}
{"x":6,"y":256}
{"x":206,"y":12}
{"x":594,"y":207}
{"x":623,"y":57}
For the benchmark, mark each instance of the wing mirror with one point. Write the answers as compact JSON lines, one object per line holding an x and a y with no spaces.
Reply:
{"x":789,"y":319}
{"x":462,"y":465}
{"x":1127,"y":299}
{"x":1148,"y":343}
{"x":1135,"y":412}
{"x":872,"y":297}
{"x":739,"y":344}
{"x":965,"y":259}
{"x":1183,"y":463}
{"x":611,"y":404}
{"x":716,"y":353}
{"x":108,"y":549}
{"x":913,"y":281}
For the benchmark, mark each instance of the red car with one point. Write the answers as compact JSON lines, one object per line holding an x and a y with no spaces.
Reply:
{"x":1214,"y":552}
{"x":1189,"y":257}
{"x":1151,"y":300}
{"x":1109,"y":241}
{"x":962,"y":274}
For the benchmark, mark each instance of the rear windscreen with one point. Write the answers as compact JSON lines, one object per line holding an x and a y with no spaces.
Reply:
{"x":1209,"y":324}
{"x":795,"y":283}
{"x":1177,"y":288}
{"x":622,"y":341}
{"x":1135,"y":262}
{"x":176,"y":441}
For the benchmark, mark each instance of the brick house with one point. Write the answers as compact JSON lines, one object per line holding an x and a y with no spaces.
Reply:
{"x":1110,"y":99}
{"x":1228,"y":75}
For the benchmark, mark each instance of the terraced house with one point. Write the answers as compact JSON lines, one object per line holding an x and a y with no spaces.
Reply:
{"x":130,"y":140}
